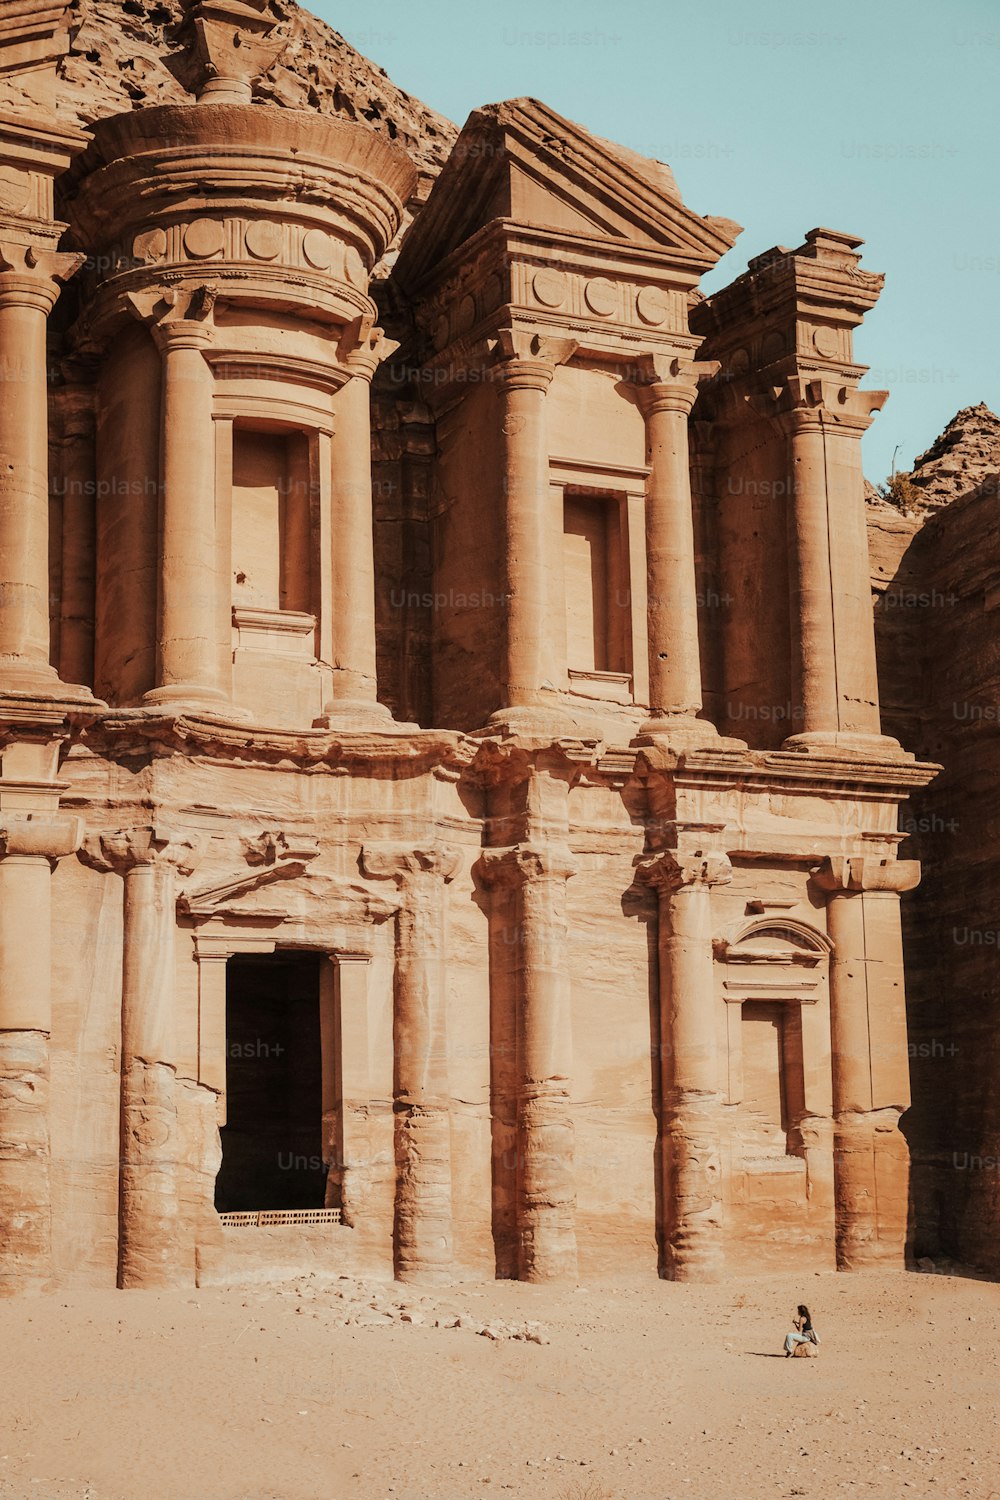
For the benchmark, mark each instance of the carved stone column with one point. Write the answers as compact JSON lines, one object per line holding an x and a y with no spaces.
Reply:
{"x":525,"y":366}
{"x":354,"y":687}
{"x":155,"y":1246}
{"x":693,"y":1244}
{"x":187,"y":657}
{"x":29,"y":287}
{"x":834,"y":678}
{"x":29,"y":848}
{"x":869,"y":1054}
{"x":422,"y":1232}
{"x":75,"y":486}
{"x":545,"y":1192}
{"x":675,"y":691}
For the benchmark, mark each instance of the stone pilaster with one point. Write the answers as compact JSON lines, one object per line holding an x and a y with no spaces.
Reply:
{"x":29,"y":287}
{"x":869,"y":1051}
{"x":155,"y":1245}
{"x":422,"y":1232}
{"x":29,"y":849}
{"x":187,"y":670}
{"x":74,"y":487}
{"x":834,"y":678}
{"x":524,"y":368}
{"x":354,"y":686}
{"x":691,"y":1100}
{"x":534,"y":876}
{"x":675,"y":688}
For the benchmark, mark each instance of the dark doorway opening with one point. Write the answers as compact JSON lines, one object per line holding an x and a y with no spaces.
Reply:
{"x":272,"y":1154}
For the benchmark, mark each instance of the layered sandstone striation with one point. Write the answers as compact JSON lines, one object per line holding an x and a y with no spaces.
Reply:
{"x":935,"y":577}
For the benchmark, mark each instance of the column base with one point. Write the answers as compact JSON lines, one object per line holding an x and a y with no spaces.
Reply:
{"x":871,"y":1175}
{"x":693,"y":1241}
{"x":187,"y":695}
{"x":683,"y":732}
{"x":35,"y":688}
{"x":546,"y":1197}
{"x":539,"y":721}
{"x":821,"y":742}
{"x":357,"y":713}
{"x":422,"y":1217}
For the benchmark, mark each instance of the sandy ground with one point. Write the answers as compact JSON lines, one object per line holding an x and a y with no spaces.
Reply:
{"x":645,"y":1391}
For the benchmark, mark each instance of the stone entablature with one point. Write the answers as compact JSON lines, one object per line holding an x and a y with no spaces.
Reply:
{"x":299,"y":211}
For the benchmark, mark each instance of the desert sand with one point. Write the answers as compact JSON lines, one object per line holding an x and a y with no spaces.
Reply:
{"x":302,"y":1390}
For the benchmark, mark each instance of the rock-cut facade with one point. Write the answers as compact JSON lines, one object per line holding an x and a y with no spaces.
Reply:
{"x":446,"y":826}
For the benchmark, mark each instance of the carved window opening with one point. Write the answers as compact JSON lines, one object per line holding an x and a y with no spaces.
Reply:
{"x":598,"y":616}
{"x":272,"y":527}
{"x":774,"y":977}
{"x":773,"y":1076}
{"x":276,"y":1088}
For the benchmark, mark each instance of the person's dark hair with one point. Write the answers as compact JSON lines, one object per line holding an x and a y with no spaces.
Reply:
{"x":804,"y":1313}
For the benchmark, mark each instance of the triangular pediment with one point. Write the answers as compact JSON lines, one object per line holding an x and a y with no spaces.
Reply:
{"x":522,"y":162}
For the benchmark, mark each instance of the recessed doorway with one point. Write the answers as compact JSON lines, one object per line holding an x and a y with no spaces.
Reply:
{"x":272,"y":1152}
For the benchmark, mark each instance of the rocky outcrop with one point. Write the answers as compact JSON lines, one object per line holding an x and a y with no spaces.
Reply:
{"x":964,"y":457}
{"x":129,"y":53}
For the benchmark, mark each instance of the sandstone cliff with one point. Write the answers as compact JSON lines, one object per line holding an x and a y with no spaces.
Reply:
{"x":936,"y":581}
{"x":128,"y":53}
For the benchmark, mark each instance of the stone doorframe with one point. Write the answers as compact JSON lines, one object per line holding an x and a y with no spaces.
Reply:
{"x":782,"y":958}
{"x":344,"y":1033}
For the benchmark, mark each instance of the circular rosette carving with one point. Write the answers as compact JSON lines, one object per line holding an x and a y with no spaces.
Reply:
{"x":317,"y":247}
{"x":354,"y":267}
{"x":826,"y":342}
{"x":204,"y":238}
{"x":149,"y":246}
{"x":466,"y":313}
{"x":263,"y":240}
{"x":601,"y":296}
{"x":653,"y":305}
{"x":549,"y":288}
{"x":15,"y":190}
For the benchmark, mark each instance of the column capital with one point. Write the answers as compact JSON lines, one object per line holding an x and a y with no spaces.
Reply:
{"x":402,"y":862}
{"x":177,"y":317}
{"x":517,"y":866}
{"x":803,"y":404}
{"x":363,"y":347}
{"x":527,"y":360}
{"x":236,"y":44}
{"x":33,"y":278}
{"x":667,"y":382}
{"x":673,"y":870}
{"x":34,"y":837}
{"x":841,"y":874}
{"x":127,"y":848}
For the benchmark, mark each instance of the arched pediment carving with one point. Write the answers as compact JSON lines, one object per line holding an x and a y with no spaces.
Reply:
{"x":769,"y":939}
{"x":774,"y":957}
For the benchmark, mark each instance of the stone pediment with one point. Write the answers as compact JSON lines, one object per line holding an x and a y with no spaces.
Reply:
{"x":774,"y":956}
{"x":253,"y":894}
{"x":519,"y":160}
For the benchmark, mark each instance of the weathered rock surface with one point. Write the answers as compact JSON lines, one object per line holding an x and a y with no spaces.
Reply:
{"x":936,"y":579}
{"x":122,"y":56}
{"x":960,"y":460}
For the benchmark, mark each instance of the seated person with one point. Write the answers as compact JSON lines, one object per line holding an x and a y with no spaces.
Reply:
{"x":804,"y":1333}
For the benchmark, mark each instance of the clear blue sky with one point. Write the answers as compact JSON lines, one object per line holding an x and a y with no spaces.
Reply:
{"x":881,"y":118}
